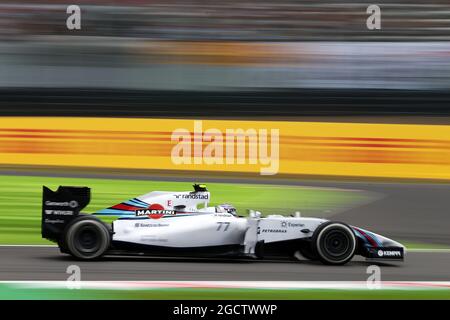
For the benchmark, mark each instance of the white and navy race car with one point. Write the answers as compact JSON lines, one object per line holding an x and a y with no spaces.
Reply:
{"x":164,"y":223}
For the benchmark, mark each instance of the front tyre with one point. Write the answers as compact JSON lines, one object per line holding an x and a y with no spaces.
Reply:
{"x":87,"y":238}
{"x":334,"y":243}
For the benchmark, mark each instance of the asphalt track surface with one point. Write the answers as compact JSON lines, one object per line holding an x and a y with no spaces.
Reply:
{"x":38,"y":263}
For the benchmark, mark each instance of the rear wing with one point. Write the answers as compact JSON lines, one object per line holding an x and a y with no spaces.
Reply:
{"x":60,"y":207}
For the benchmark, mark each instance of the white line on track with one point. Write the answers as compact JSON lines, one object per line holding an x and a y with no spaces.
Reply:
{"x":30,"y":245}
{"x":55,"y":246}
{"x":428,"y":250}
{"x":145,"y":285}
{"x":443,"y":250}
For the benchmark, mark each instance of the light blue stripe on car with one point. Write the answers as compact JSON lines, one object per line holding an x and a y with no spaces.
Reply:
{"x":114,"y":212}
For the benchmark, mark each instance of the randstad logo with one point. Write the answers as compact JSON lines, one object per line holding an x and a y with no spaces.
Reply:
{"x":213,"y":147}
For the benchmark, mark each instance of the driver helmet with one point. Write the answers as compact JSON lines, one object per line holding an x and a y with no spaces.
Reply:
{"x":228,"y":208}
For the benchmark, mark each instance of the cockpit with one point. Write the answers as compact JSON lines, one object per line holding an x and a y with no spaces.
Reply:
{"x":226,"y":208}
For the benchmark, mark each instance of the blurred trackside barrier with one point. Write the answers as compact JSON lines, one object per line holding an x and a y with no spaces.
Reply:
{"x":331,"y":149}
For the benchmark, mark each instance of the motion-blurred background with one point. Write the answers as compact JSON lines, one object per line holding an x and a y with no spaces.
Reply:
{"x":252,"y":60}
{"x":292,"y":56}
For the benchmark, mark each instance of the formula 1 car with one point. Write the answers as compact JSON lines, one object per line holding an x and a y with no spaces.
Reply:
{"x":182,"y":224}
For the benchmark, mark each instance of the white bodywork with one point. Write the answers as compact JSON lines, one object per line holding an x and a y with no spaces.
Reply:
{"x":211,"y":229}
{"x":194,"y":224}
{"x":182,"y":224}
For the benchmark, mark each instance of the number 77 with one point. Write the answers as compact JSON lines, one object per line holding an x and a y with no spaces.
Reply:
{"x":219,"y":227}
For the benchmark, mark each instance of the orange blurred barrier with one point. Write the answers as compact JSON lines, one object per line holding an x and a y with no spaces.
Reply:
{"x":234,"y":53}
{"x":331,"y":149}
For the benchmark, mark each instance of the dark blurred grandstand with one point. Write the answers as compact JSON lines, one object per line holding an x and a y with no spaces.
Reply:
{"x":267,"y":20}
{"x":311,"y":57}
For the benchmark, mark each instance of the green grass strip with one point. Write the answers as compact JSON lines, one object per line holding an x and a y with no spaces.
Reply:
{"x":21,"y":198}
{"x":8,"y":292}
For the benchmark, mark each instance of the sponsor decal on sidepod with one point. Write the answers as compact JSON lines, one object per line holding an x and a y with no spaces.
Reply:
{"x":72,"y":204}
{"x":59,"y":212}
{"x":154,"y":211}
{"x":389,"y":253}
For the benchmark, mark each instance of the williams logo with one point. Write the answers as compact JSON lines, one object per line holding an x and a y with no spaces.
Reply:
{"x":155,"y":211}
{"x":59,"y":212}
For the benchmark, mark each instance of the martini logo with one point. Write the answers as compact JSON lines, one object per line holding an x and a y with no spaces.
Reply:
{"x":154,"y":211}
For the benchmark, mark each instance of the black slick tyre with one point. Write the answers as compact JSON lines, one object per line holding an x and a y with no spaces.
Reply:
{"x":334,"y":243}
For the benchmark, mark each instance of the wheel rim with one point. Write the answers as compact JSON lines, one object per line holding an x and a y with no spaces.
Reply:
{"x":86,"y":240}
{"x":336,"y":245}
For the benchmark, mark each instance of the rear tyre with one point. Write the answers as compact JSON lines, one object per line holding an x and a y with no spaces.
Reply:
{"x":87,"y":238}
{"x":334,"y":243}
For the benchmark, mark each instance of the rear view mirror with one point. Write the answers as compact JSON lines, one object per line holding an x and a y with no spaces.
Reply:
{"x":254,"y":214}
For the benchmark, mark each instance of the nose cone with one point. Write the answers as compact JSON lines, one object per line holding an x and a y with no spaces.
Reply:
{"x":389,"y":243}
{"x":381,"y":241}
